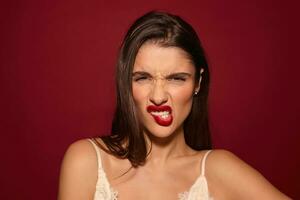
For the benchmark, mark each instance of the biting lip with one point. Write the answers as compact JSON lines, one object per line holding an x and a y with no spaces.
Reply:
{"x":153,"y":108}
{"x":161,"y":114}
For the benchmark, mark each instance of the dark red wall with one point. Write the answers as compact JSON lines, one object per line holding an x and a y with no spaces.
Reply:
{"x":57,"y":72}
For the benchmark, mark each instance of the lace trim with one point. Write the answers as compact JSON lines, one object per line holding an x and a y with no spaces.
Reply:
{"x":183,"y":195}
{"x":198,"y":190}
{"x":114,"y":194}
{"x":103,"y":187}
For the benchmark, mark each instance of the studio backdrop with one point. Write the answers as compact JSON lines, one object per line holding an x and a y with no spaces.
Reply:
{"x":57,"y":82}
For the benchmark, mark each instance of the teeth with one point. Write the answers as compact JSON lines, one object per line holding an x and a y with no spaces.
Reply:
{"x":164,"y":114}
{"x":160,"y":113}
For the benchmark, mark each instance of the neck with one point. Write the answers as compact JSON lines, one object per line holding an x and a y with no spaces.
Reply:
{"x":164,"y":149}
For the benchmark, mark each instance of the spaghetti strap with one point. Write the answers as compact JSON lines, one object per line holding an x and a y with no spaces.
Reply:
{"x":98,"y":154}
{"x":203,"y":163}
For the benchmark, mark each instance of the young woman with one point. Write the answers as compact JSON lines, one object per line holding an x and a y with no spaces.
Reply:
{"x":160,"y":144}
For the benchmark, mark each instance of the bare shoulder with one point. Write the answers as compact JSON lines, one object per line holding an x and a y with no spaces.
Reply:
{"x":237,"y":179}
{"x":81,"y":147}
{"x":220,"y":158}
{"x":80,"y":154}
{"x":78,"y":175}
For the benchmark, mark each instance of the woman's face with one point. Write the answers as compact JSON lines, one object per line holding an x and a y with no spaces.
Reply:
{"x":163,"y":85}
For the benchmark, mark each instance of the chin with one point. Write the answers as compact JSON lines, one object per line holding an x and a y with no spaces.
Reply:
{"x":160,"y":132}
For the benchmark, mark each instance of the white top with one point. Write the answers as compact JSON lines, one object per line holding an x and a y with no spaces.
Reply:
{"x":198,"y":191}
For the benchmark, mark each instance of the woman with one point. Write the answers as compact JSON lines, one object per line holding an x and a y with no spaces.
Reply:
{"x":160,"y":142}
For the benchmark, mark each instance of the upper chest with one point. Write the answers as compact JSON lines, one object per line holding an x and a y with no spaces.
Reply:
{"x":146,"y":182}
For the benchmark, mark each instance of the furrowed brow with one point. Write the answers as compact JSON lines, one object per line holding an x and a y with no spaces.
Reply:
{"x":140,"y":73}
{"x":181,"y":74}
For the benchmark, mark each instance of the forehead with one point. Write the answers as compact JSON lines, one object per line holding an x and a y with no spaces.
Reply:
{"x":154,"y":58}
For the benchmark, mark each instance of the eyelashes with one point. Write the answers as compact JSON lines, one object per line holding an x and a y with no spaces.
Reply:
{"x":177,"y":79}
{"x":169,"y":79}
{"x":142,"y":78}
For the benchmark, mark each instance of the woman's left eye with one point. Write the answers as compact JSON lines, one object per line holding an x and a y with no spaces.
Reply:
{"x":177,"y":79}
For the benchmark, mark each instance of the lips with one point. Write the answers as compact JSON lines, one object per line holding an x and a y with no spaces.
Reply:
{"x":161,"y":114}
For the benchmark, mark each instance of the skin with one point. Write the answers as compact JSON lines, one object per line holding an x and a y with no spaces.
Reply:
{"x":170,"y":159}
{"x":163,"y":76}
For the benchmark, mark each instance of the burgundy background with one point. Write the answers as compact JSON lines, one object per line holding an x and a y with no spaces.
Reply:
{"x":57,"y":72}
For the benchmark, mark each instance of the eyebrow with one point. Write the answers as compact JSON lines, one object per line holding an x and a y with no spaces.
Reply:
{"x":140,"y":73}
{"x":180,"y":74}
{"x":143,"y":73}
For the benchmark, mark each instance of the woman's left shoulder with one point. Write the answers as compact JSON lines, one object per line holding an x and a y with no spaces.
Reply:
{"x":237,"y":178}
{"x":221,"y":158}
{"x":225,"y":164}
{"x":228,"y":167}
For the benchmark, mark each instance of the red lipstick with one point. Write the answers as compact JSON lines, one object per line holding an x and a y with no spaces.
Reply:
{"x":161,"y":114}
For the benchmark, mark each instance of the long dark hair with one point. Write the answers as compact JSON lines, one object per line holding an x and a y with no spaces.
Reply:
{"x":167,"y":30}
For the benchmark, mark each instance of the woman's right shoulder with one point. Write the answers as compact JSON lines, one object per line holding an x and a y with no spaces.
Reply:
{"x":78,"y":174}
{"x":83,"y":152}
{"x":80,"y":151}
{"x":85,"y":149}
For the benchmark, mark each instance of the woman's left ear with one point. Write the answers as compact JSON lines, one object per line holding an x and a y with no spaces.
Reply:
{"x":197,"y":89}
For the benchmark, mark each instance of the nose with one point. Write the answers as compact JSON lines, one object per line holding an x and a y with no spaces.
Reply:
{"x":158,"y":95}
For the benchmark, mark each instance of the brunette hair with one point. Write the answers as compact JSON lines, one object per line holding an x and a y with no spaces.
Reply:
{"x":167,"y":30}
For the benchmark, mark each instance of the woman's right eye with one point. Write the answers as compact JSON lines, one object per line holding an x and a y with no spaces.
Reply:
{"x":141,"y":78}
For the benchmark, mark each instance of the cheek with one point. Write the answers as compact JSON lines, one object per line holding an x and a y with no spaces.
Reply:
{"x":182,"y":99}
{"x":139,"y":95}
{"x":183,"y":94}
